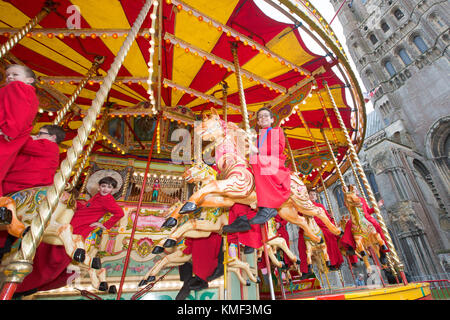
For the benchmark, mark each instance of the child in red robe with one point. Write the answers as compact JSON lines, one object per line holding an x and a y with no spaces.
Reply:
{"x":51,"y":261}
{"x":18,"y":107}
{"x":272,"y":178}
{"x":86,"y":216}
{"x":37,"y":161}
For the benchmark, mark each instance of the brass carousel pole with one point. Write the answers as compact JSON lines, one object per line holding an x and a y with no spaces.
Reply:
{"x":22,"y":262}
{"x":98,"y":60}
{"x":373,"y":202}
{"x":86,"y":154}
{"x":325,"y":192}
{"x":336,"y":164}
{"x":237,"y":68}
{"x":224,"y":100}
{"x":49,"y":6}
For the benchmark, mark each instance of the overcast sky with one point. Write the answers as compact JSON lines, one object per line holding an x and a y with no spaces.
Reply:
{"x":327,"y":11}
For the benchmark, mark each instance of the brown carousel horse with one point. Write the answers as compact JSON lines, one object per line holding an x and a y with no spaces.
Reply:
{"x":196,"y":228}
{"x":237,"y":184}
{"x":21,"y":208}
{"x":364,"y":233}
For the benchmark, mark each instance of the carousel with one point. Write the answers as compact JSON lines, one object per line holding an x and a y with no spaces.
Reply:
{"x":150,"y":92}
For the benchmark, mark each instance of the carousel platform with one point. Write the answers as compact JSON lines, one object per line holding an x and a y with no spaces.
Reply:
{"x":411,"y":291}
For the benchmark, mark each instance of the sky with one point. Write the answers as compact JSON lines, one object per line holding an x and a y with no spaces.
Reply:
{"x":327,"y":11}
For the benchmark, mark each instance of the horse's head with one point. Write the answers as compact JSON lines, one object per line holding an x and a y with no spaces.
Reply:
{"x":351,"y":197}
{"x":211,"y":127}
{"x":199,"y":172}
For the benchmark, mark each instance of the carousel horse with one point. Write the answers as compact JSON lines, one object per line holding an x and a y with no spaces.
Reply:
{"x":363,"y":232}
{"x":23,"y":206}
{"x":176,"y":257}
{"x":197,"y":228}
{"x":237,"y":183}
{"x":315,"y":249}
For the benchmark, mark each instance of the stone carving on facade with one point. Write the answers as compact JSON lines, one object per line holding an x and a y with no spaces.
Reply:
{"x":404,"y":217}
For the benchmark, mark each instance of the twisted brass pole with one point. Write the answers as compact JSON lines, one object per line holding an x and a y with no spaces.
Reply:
{"x":61,"y":113}
{"x":325,"y":191}
{"x":371,"y":196}
{"x":21,"y":264}
{"x":86,"y":154}
{"x":224,"y":101}
{"x":237,"y":68}
{"x":341,"y":177}
{"x":49,"y":6}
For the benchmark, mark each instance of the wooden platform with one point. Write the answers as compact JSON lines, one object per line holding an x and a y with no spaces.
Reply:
{"x":412,"y":291}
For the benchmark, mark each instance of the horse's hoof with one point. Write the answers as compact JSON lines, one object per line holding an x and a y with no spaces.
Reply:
{"x":188,"y":207}
{"x":112,"y":290}
{"x":158,"y":250}
{"x":247,"y":283}
{"x":79,"y":255}
{"x":258,"y":280}
{"x":142,"y":283}
{"x":169,"y":223}
{"x":298,"y":262}
{"x":169,"y":243}
{"x":328,"y":264}
{"x":96,"y":263}
{"x":151,"y":278}
{"x":5,"y":216}
{"x":103,"y":286}
{"x":362,"y":253}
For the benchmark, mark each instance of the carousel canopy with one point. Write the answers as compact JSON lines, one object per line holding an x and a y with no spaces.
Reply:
{"x":182,"y":61}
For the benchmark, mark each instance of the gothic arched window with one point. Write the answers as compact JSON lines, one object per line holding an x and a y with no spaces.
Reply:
{"x":420,"y":44}
{"x":373,"y":39}
{"x":404,"y":56}
{"x":390,"y":68}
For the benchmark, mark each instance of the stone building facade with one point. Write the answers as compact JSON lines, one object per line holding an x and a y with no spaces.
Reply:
{"x":400,"y":48}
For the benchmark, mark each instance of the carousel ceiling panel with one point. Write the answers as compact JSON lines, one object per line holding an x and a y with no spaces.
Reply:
{"x":94,"y":14}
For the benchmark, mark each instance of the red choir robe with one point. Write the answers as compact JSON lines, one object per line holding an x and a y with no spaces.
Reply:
{"x":272,"y":178}
{"x":205,"y":253}
{"x":51,"y":261}
{"x":35,"y":166}
{"x":251,"y":238}
{"x":93,"y":211}
{"x":18,"y":107}
{"x":331,"y":241}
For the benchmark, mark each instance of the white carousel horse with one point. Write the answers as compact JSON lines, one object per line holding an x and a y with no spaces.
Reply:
{"x":23,"y":205}
{"x":237,"y":183}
